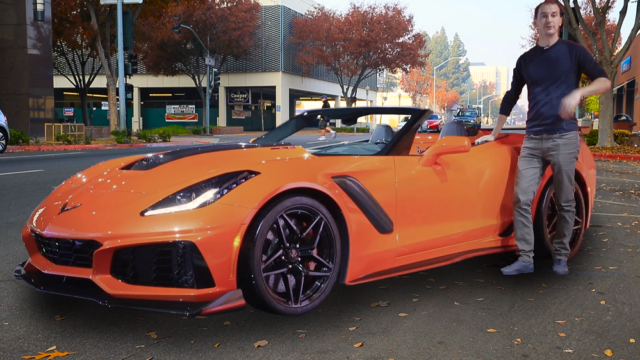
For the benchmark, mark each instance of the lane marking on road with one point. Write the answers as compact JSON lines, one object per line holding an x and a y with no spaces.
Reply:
{"x":32,"y":156}
{"x":623,"y":215}
{"x":603,"y":178}
{"x":21,"y":172}
{"x":615,"y":203}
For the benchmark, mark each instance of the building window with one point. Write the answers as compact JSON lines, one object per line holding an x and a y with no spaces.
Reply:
{"x":38,"y":9}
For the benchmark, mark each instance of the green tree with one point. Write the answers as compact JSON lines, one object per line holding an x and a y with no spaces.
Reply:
{"x":454,"y":72}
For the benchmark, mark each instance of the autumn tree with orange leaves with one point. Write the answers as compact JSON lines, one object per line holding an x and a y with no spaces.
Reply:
{"x":594,"y":27}
{"x":227,"y":29}
{"x":445,"y":97}
{"x":359,"y":43}
{"x":418,"y":84}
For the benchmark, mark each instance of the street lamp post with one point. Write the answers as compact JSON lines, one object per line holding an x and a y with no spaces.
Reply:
{"x":176,"y":29}
{"x":482,"y":101}
{"x":367,"y":101}
{"x":434,"y":78}
{"x":490,"y":106}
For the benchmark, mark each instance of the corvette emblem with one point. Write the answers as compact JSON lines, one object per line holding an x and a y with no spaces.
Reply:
{"x":64,"y":208}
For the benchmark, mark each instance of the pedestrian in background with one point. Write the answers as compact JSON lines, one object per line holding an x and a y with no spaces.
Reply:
{"x":323,"y":125}
{"x":551,"y":70}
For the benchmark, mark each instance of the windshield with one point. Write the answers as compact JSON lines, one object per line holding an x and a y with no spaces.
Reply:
{"x":466,"y":113}
{"x":433,"y":117}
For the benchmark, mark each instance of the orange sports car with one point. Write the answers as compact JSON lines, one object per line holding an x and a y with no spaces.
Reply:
{"x":205,"y":229}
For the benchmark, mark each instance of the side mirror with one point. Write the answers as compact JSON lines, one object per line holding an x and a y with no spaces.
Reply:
{"x":445,"y":146}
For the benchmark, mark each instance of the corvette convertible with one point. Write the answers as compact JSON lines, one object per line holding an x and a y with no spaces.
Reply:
{"x":212,"y":228}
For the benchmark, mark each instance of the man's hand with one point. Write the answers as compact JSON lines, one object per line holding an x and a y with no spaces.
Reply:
{"x":569,"y":104}
{"x":486,"y":138}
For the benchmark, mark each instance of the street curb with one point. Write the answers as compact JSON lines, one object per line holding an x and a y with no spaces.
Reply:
{"x":628,"y":157}
{"x":97,"y":147}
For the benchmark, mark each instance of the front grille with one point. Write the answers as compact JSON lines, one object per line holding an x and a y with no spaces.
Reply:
{"x":177,"y":264}
{"x":67,"y":252}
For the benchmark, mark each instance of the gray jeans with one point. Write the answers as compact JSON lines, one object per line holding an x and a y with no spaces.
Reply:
{"x":561,"y":153}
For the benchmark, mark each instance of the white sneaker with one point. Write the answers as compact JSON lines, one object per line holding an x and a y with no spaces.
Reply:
{"x":333,"y":134}
{"x":322,"y":138}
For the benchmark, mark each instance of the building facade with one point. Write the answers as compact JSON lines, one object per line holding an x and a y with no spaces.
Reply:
{"x":625,"y":87}
{"x":490,"y":73}
{"x":26,"y":65}
{"x":257,"y":94}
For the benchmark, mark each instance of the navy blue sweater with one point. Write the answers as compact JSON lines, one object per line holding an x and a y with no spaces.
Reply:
{"x":550,"y":74}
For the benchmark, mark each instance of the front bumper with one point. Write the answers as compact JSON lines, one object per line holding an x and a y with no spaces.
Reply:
{"x":87,"y":289}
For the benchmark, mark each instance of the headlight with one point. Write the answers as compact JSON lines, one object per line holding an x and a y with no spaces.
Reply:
{"x":201,"y":194}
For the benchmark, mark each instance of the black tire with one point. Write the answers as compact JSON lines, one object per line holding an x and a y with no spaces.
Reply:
{"x":309,"y":256}
{"x":4,"y":141}
{"x":545,"y":222}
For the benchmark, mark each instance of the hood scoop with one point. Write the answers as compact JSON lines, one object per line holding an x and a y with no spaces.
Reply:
{"x":153,"y":161}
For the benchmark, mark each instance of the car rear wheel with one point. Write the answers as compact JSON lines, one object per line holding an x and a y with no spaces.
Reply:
{"x":291,"y":257}
{"x":546,"y":220}
{"x":3,"y":141}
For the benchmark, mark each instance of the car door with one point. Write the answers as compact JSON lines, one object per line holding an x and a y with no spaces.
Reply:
{"x":460,"y":203}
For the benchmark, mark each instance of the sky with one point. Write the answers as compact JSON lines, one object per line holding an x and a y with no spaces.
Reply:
{"x":492,"y":30}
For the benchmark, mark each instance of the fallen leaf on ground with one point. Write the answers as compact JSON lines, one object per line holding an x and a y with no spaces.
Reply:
{"x":479,"y":280}
{"x":530,"y":299}
{"x":605,"y":240}
{"x":353,"y":328}
{"x":500,"y":287}
{"x":141,"y":346}
{"x":598,"y":267}
{"x":562,"y":334}
{"x":384,"y":303}
{"x":58,"y":318}
{"x":415,"y":294}
{"x":303,"y":336}
{"x":51,"y":348}
{"x":403,"y":314}
{"x":49,"y":356}
{"x":201,"y":317}
{"x":480,"y":299}
{"x":544,"y":285}
{"x":612,"y":267}
{"x":414,"y":300}
{"x":561,"y":322}
{"x":357,"y":318}
{"x":153,"y":335}
{"x":602,"y":302}
{"x":442,"y":287}
{"x":428,"y":287}
{"x":492,"y":330}
{"x":517,"y":341}
{"x":608,"y":352}
{"x":434,"y":280}
{"x":455,"y":303}
{"x":632,"y":340}
{"x":358,"y":345}
{"x":216,"y":345}
{"x":227,"y":323}
{"x":260,"y":343}
{"x":593,"y":290}
{"x":568,"y":350}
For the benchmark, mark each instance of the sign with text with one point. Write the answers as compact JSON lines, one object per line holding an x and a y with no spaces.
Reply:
{"x":626,"y":65}
{"x":181,"y":109}
{"x":239,"y":96}
{"x":181,"y":117}
{"x":67,"y":112}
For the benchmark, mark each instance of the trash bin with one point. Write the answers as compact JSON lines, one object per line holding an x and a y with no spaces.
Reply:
{"x":623,"y":122}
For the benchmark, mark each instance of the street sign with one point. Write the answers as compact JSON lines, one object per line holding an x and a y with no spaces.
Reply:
{"x":209,"y":61}
{"x":115,"y":2}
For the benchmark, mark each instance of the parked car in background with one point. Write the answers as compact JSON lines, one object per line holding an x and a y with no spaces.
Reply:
{"x":433,"y":123}
{"x":401,"y":124}
{"x":469,"y":117}
{"x":5,"y":134}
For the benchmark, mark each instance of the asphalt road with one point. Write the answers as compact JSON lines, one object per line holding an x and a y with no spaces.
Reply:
{"x":450,"y":308}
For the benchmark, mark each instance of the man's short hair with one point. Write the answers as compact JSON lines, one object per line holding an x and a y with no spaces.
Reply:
{"x":544,"y":3}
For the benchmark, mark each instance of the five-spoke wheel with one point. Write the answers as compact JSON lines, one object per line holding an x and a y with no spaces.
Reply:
{"x":292,"y":257}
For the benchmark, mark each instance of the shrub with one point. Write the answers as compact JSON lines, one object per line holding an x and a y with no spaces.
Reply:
{"x":620,"y":137}
{"x":64,"y":139}
{"x":88,"y":139}
{"x":143,"y":135}
{"x":350,"y":129}
{"x":591,"y":138}
{"x":172,"y":130}
{"x":165,"y":136}
{"x":19,"y":138}
{"x":197,"y":130}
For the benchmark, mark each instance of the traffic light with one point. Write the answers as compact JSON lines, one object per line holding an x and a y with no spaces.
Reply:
{"x":133,"y":60}
{"x":216,"y":78}
{"x":128,"y":90}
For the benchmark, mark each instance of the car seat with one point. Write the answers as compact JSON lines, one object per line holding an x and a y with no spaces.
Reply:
{"x":453,"y":128}
{"x":382,"y":134}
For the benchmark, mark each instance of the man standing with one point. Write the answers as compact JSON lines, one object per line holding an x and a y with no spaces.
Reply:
{"x":551,"y":70}
{"x":323,"y":125}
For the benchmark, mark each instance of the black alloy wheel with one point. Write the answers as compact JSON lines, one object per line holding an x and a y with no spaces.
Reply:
{"x":546,"y":221}
{"x":293,"y":260}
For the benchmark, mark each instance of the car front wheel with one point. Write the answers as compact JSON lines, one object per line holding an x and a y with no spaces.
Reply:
{"x":3,"y":141}
{"x":291,"y":257}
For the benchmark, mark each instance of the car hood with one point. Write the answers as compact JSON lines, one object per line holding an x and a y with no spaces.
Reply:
{"x":118,"y":190}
